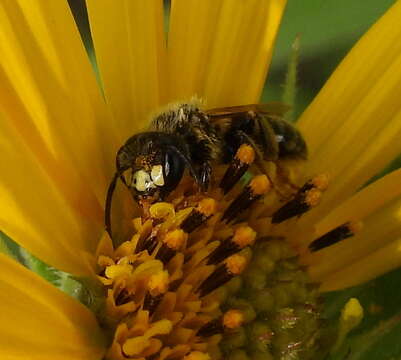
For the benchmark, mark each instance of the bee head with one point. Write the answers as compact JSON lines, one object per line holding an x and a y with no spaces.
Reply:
{"x":151,"y":165}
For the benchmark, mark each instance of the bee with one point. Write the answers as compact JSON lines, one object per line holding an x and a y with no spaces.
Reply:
{"x":151,"y":164}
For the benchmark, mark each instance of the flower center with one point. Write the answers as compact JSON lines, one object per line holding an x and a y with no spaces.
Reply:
{"x":208,"y":276}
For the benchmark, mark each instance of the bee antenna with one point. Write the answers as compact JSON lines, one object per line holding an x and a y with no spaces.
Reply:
{"x":109,"y":198}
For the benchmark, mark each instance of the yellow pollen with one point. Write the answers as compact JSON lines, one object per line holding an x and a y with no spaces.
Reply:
{"x":158,"y":283}
{"x":233,"y":319}
{"x":355,"y":226}
{"x":207,"y":206}
{"x":244,"y":236}
{"x":236,"y":264}
{"x":104,"y":261}
{"x":321,"y":182}
{"x":197,"y":355}
{"x":161,"y":327}
{"x":313,"y":197}
{"x":245,"y":154}
{"x":174,"y":239}
{"x":114,"y":271}
{"x":260,"y":185}
{"x":135,"y":346}
{"x":161,"y":210}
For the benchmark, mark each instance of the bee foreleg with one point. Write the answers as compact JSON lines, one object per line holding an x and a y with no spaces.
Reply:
{"x":194,"y":173}
{"x":284,"y":176}
{"x":204,"y":175}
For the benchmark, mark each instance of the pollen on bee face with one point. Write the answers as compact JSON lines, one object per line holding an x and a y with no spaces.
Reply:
{"x":157,"y":175}
{"x":201,"y":280}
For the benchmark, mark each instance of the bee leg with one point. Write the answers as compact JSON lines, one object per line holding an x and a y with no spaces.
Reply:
{"x":284,"y":177}
{"x":194,"y":173}
{"x":204,"y":175}
{"x":261,"y":165}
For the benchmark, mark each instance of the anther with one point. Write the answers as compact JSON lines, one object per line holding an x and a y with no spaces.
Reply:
{"x":152,"y":302}
{"x":230,"y":321}
{"x":320,"y":182}
{"x":341,"y":232}
{"x":307,"y":197}
{"x":243,"y":236}
{"x":158,"y":283}
{"x":199,"y":215}
{"x":257,"y":187}
{"x":171,"y":243}
{"x":157,"y":286}
{"x":234,"y":265}
{"x":123,"y":297}
{"x":244,"y":157}
{"x":211,"y":328}
{"x":115,"y":271}
{"x":233,"y":319}
{"x":148,"y":244}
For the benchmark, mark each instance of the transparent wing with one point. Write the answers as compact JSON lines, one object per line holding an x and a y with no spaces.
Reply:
{"x":272,"y":108}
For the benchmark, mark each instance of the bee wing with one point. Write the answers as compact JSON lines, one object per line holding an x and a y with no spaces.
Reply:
{"x":271,"y":108}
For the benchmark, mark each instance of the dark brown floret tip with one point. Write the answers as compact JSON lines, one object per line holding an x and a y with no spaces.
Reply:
{"x":244,"y":157}
{"x":307,"y":197}
{"x":199,"y":215}
{"x":234,"y":265}
{"x":334,"y":236}
{"x":256,"y":188}
{"x":243,"y":236}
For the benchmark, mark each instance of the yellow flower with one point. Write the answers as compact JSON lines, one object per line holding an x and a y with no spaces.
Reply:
{"x":60,"y":134}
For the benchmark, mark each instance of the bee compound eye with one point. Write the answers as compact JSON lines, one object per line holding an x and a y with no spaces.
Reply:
{"x":173,"y":169}
{"x":142,"y":181}
{"x":157,"y":175}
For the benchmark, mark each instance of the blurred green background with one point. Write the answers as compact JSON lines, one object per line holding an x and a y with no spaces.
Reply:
{"x":327,"y":30}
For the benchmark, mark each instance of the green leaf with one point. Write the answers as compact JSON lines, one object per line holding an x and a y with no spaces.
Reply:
{"x":9,"y":247}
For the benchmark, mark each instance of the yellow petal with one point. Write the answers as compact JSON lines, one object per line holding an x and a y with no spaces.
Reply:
{"x":380,"y":229}
{"x":379,"y":207}
{"x":46,"y":67}
{"x":354,"y":124}
{"x":34,"y":212}
{"x":377,"y":263}
{"x":39,"y":322}
{"x":130,"y":49}
{"x":220,"y":50}
{"x":55,"y":127}
{"x":363,"y":203}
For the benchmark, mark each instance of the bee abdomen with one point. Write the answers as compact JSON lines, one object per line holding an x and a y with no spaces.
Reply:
{"x":290,"y":141}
